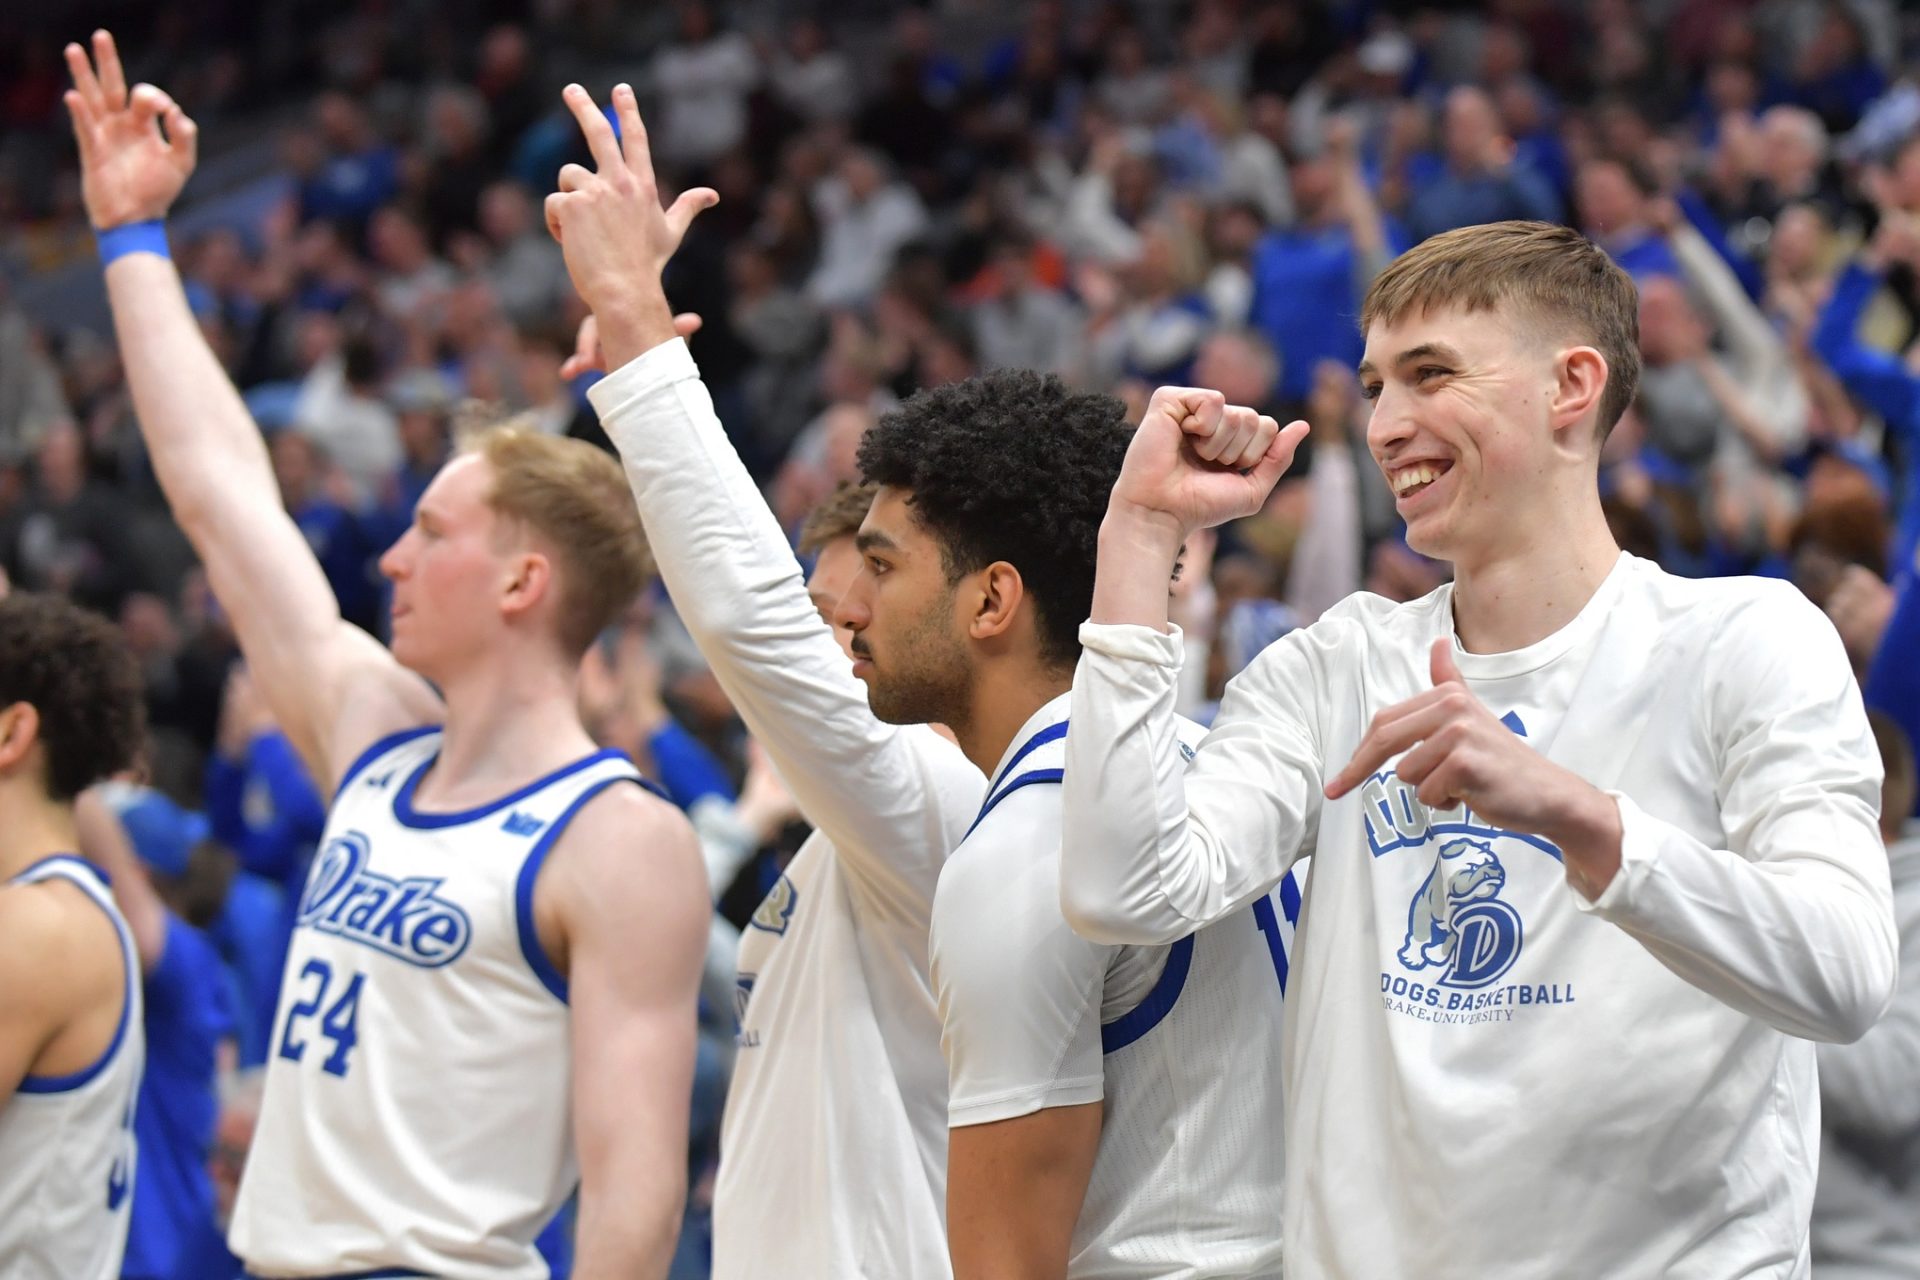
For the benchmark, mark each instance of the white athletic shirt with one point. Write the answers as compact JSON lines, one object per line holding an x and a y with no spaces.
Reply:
{"x":418,"y":1111}
{"x":1488,"y":1076}
{"x":833,"y":1148}
{"x":1182,"y":1041}
{"x":66,"y":1142}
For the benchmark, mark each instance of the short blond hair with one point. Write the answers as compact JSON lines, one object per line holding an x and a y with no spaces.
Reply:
{"x":1551,"y":275}
{"x":574,"y":497}
{"x":839,"y":516}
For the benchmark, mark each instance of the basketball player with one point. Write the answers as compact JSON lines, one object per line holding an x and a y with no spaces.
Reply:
{"x":490,"y":989}
{"x":834,"y":1138}
{"x":1594,"y":847}
{"x":1088,"y":1138}
{"x":71,"y":1044}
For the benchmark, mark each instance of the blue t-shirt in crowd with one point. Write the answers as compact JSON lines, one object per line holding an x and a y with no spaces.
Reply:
{"x":174,"y":1232}
{"x":1306,"y":300}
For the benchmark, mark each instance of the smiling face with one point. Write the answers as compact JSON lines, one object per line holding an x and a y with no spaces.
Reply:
{"x":1459,"y":426}
{"x":907,"y":641}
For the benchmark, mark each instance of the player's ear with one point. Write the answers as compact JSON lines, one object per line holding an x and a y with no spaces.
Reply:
{"x":1580,"y":379}
{"x":529,"y":580}
{"x":1000,"y":594}
{"x":19,"y":730}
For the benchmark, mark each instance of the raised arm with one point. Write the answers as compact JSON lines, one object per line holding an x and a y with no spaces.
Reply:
{"x":1148,"y":853}
{"x":1879,"y":379}
{"x":893,"y":800}
{"x":331,"y":686}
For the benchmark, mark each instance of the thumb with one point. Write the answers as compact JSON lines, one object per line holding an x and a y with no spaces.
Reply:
{"x":1279,"y":456}
{"x":1440,"y":662}
{"x":691,"y":204}
{"x":687,"y":323}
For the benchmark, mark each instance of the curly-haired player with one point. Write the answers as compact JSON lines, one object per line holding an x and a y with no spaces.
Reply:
{"x":71,"y":1047}
{"x":1104,"y":1103}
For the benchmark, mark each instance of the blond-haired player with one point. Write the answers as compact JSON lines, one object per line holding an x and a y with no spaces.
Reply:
{"x":490,"y":992}
{"x":1594,"y":847}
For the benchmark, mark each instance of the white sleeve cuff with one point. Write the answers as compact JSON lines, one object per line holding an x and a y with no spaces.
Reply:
{"x":660,"y":366}
{"x":1024,"y":1102}
{"x":1131,"y":642}
{"x":1639,"y":851}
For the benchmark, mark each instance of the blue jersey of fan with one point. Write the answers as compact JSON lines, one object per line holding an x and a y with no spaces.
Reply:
{"x":417,"y":1116}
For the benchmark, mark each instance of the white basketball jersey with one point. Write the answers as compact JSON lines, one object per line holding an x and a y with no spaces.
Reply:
{"x":418,"y":1114}
{"x":66,"y":1142}
{"x":1188,"y":1178}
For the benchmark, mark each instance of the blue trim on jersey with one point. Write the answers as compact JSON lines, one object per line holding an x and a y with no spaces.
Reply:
{"x":1146,"y":1015}
{"x":1052,"y":733}
{"x":84,"y":1076}
{"x":21,"y":875}
{"x":378,"y":749}
{"x":1024,"y":780}
{"x":1290,"y":897}
{"x":360,"y":1275}
{"x":536,"y":955}
{"x":408,"y":816}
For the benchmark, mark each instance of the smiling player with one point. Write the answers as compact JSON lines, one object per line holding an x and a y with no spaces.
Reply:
{"x":1594,"y":847}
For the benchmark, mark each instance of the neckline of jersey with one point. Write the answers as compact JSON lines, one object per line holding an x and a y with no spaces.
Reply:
{"x":1530,"y":658}
{"x":1047,"y":724}
{"x":408,"y":816}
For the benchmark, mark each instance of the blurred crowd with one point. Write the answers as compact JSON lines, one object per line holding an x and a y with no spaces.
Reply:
{"x":1124,"y":194}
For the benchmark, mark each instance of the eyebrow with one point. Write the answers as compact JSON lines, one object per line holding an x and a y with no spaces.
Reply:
{"x":870,"y":539}
{"x":1425,"y":351}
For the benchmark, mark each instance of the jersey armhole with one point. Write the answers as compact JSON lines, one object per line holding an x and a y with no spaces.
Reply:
{"x":1155,"y":1005}
{"x":379,"y":748}
{"x":130,"y":969}
{"x":530,"y":948}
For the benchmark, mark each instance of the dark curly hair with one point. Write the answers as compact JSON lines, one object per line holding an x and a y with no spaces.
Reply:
{"x":75,"y":670}
{"x":1014,"y":466}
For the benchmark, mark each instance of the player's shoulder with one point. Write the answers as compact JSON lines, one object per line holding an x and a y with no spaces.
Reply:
{"x":56,"y":945}
{"x":1744,"y":606}
{"x":625,"y":823}
{"x":1342,"y":637}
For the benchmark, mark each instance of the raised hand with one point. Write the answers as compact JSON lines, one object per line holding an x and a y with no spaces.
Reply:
{"x":612,"y":230}
{"x":130,"y":170}
{"x":1452,"y":750}
{"x":1196,"y":461}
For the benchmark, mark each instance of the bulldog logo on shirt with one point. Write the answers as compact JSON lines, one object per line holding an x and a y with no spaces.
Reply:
{"x":1457,"y":921}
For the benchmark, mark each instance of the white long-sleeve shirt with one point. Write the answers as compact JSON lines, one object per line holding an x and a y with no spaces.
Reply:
{"x":833,"y":1146}
{"x":1866,"y":1208}
{"x":1487,"y":1075}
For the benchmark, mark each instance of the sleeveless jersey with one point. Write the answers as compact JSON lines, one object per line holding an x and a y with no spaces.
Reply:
{"x":66,"y":1142}
{"x":1188,"y":1177}
{"x":417,"y":1116}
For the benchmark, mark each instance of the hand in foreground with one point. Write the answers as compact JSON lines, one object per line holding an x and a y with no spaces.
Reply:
{"x":1458,"y":752}
{"x":1197,"y":461}
{"x":130,"y":171}
{"x":611,"y":228}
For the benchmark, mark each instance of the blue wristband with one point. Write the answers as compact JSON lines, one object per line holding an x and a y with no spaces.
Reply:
{"x":133,"y":237}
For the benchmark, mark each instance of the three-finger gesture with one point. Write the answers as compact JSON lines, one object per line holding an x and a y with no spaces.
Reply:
{"x":608,"y":220}
{"x":1197,"y":461}
{"x":137,"y":147}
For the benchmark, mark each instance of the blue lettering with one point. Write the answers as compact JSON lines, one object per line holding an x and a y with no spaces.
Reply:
{"x":404,"y":919}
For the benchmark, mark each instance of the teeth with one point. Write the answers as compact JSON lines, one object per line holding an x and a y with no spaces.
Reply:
{"x":1412,"y":476}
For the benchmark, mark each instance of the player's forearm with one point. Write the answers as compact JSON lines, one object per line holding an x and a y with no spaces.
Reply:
{"x":1144,"y":858}
{"x":205,"y":448}
{"x":1135,"y":563}
{"x":1802,"y":940}
{"x":617,"y":1237}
